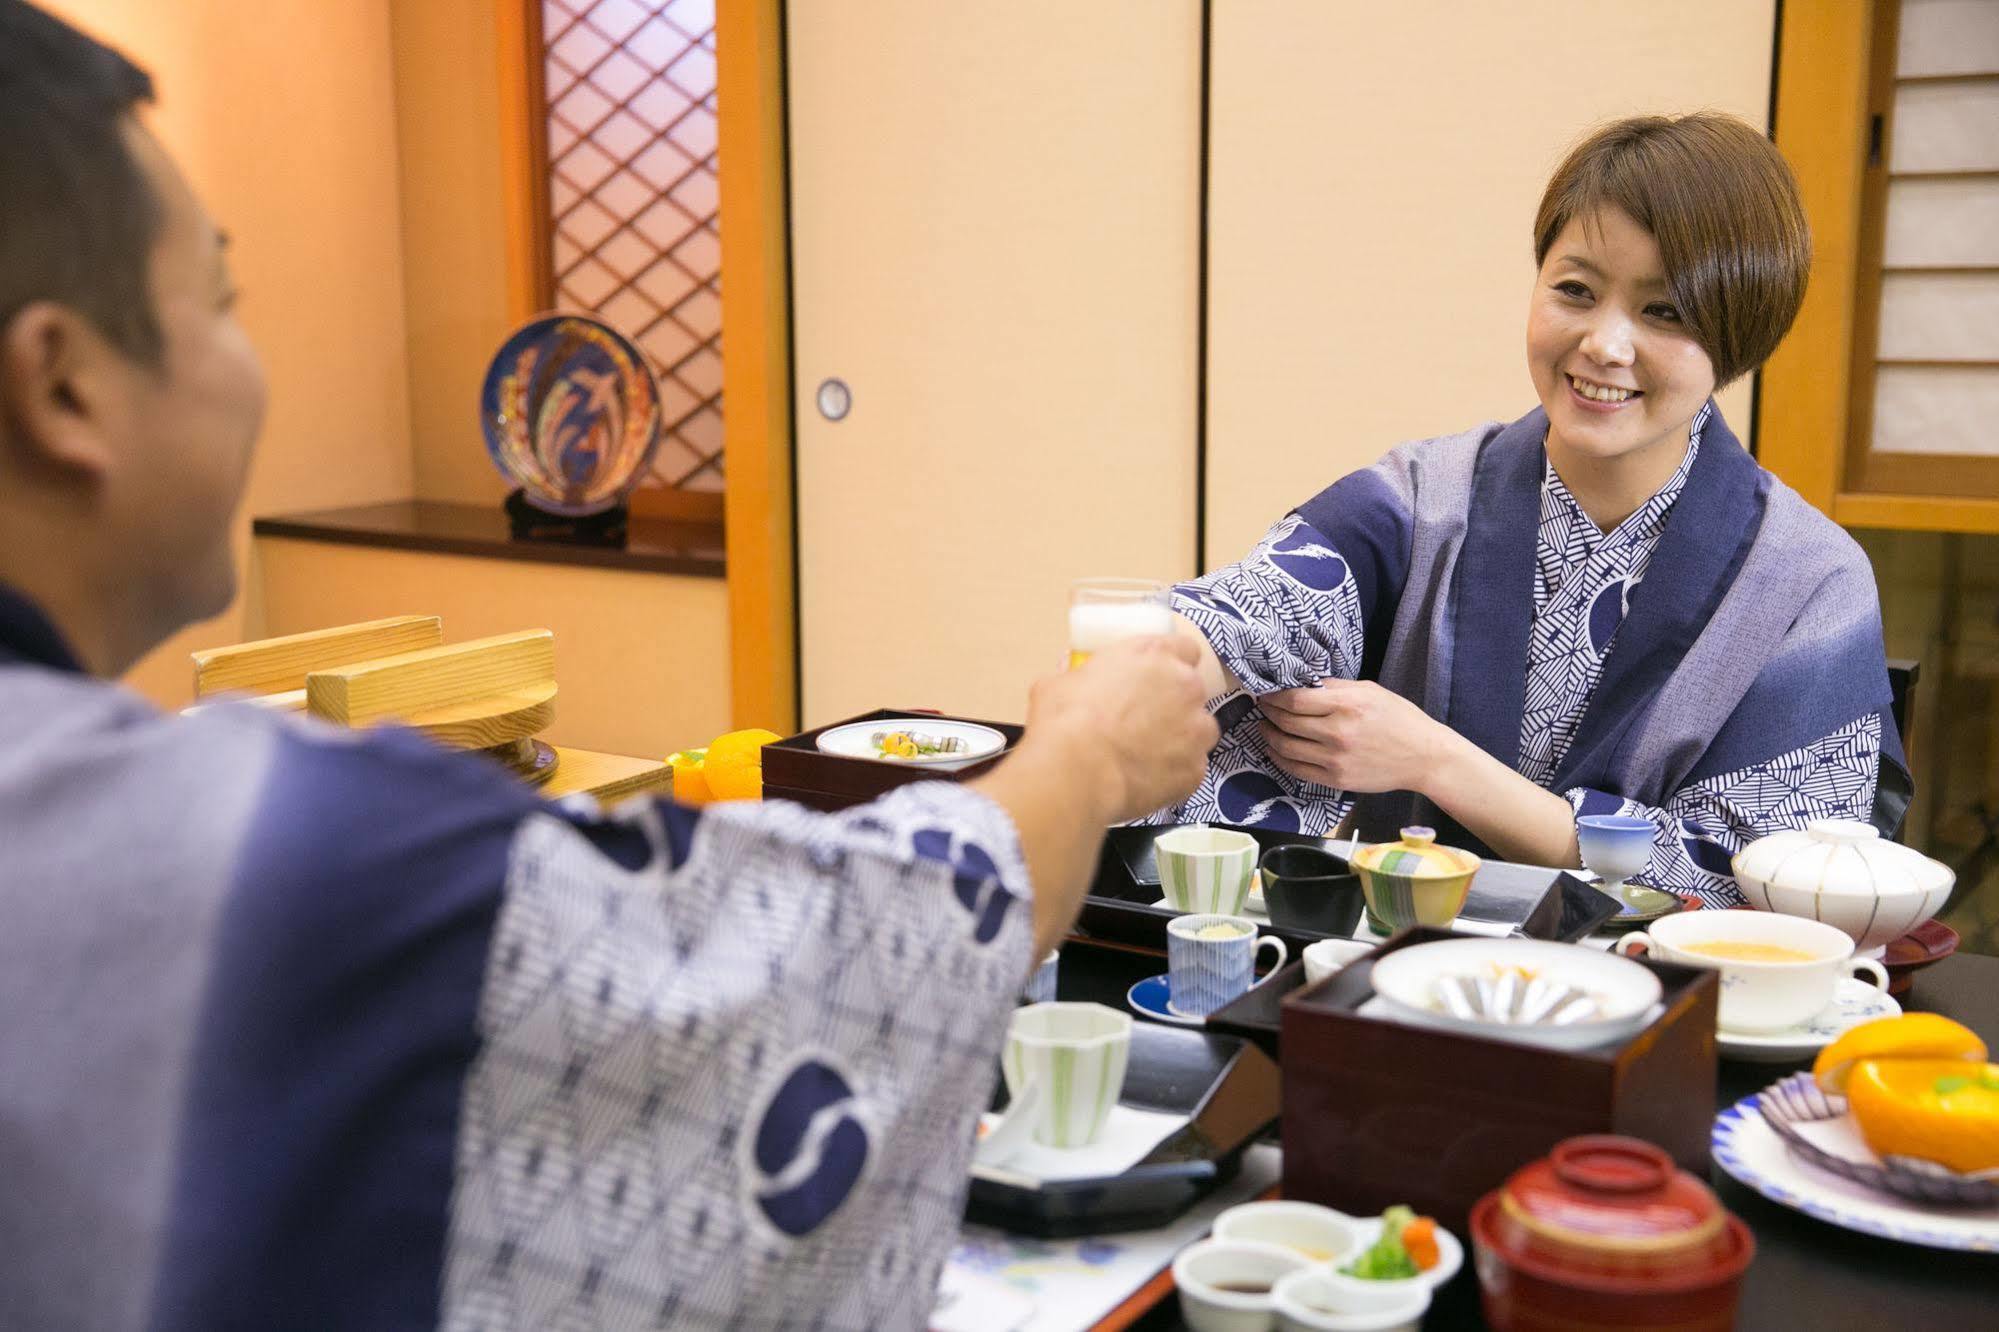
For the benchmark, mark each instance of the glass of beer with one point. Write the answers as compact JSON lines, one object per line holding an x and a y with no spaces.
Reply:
{"x":1104,"y":610}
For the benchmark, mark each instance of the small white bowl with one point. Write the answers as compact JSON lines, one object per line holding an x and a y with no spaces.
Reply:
{"x":1450,"y":1257}
{"x":1325,"y":957}
{"x":1318,"y":1234}
{"x":856,"y":740}
{"x":1203,"y":1270}
{"x":1406,"y":981}
{"x":1319,"y":1301}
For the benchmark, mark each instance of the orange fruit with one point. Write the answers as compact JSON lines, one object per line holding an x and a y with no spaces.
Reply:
{"x":690,"y":776}
{"x":1942,"y":1110}
{"x":1910,"y":1036}
{"x":735,"y":764}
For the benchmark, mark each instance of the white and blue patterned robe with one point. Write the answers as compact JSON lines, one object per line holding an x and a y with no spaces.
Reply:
{"x":311,"y":1028}
{"x":1318,"y":596}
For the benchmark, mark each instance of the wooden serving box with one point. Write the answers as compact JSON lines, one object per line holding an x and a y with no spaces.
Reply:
{"x":794,"y":769}
{"x":1377,"y":1112}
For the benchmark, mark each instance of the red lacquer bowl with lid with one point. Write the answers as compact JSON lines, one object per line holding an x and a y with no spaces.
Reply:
{"x":1606,"y":1232}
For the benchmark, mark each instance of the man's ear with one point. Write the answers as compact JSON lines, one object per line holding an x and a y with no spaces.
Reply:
{"x":56,"y":384}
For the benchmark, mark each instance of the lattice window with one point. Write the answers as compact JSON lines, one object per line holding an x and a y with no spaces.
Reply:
{"x":633,"y":199}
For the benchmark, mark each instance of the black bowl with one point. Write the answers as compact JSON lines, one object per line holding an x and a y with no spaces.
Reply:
{"x":1305,"y":888}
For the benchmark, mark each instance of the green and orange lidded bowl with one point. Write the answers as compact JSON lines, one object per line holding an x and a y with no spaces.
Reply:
{"x":1414,"y":881}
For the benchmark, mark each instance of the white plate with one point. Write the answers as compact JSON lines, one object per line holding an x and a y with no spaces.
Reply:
{"x":1406,"y":979}
{"x":1853,"y":1002}
{"x":856,"y":740}
{"x":1751,"y":1151}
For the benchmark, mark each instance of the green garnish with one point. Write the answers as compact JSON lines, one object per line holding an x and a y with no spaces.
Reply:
{"x":1945,"y":1086}
{"x":1386,"y":1260}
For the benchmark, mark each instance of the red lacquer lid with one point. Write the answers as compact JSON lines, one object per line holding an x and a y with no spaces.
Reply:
{"x":1614,"y":1208}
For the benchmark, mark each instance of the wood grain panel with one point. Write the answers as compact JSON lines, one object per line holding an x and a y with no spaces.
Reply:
{"x":413,"y":683}
{"x":280,"y":665}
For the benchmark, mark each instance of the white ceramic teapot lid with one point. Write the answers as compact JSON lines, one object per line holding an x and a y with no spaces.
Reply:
{"x":1840,"y":856}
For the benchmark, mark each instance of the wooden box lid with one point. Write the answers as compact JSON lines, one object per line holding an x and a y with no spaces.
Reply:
{"x":1378,"y":1112}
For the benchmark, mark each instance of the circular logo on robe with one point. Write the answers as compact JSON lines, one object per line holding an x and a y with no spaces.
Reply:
{"x":1304,"y":557}
{"x":1255,"y":800}
{"x":975,"y":881}
{"x":1706,"y":853}
{"x":809,"y":1150}
{"x":1606,"y":612}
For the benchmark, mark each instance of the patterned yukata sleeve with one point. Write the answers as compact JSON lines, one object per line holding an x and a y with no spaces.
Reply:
{"x":1699,"y":830}
{"x":733,"y":1071}
{"x":1286,"y":616}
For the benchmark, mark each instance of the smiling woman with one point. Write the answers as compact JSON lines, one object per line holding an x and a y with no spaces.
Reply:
{"x":1458,"y":636}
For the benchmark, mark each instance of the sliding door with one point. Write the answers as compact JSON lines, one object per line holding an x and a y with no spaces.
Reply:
{"x":995,"y":239}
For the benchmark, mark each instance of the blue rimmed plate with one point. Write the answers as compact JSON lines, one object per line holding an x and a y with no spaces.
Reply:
{"x":1751,"y":1151}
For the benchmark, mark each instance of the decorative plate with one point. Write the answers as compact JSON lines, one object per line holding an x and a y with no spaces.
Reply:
{"x":571,"y":414}
{"x":856,"y":740}
{"x":1853,"y":1002}
{"x":1793,"y":1105}
{"x":1750,"y":1150}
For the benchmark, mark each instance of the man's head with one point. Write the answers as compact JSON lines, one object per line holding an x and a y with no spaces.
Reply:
{"x":129,"y":396}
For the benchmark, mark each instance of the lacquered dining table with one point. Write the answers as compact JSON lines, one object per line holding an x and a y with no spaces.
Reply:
{"x":1808,"y":1274}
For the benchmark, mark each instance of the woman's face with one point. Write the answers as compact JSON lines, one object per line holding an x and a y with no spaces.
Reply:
{"x":1619,"y":376}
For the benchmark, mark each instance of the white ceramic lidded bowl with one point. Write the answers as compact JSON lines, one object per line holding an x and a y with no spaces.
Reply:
{"x":1843,"y":874}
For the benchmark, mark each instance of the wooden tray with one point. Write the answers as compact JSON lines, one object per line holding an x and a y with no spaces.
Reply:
{"x":795,"y":769}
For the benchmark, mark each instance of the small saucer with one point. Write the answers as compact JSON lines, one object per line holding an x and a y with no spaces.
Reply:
{"x":1929,"y":943}
{"x":1148,"y":999}
{"x":1639,"y":906}
{"x":1854,"y":1002}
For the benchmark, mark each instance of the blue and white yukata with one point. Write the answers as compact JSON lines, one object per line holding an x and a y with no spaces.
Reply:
{"x":309,"y":1028}
{"x":1420,"y":572}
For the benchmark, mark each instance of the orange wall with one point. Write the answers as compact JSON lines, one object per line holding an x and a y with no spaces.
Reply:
{"x":449,"y":115}
{"x":282,"y":114}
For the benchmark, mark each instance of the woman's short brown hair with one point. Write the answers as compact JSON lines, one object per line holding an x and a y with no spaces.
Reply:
{"x":1723,"y":206}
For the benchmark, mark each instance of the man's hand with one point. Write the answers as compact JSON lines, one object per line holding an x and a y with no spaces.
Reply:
{"x":1354,"y":735}
{"x":1132,"y":719}
{"x":1118,"y":737}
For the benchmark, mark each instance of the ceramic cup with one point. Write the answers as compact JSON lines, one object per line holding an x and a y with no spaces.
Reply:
{"x":1760,"y":995}
{"x":1225,"y":1285}
{"x":1305,"y":888}
{"x":1211,"y":961}
{"x":1205,"y":869}
{"x":1615,"y":846}
{"x":1040,"y":987}
{"x":1325,"y":957}
{"x":1078,"y":1053}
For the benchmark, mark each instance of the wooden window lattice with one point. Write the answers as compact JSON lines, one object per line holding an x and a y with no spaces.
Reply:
{"x":634,"y":199}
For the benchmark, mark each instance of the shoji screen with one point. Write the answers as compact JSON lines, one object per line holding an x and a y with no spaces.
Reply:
{"x":995,"y":239}
{"x":1926,"y":382}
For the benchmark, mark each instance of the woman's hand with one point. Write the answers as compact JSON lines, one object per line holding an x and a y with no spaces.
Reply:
{"x":1355,"y":736}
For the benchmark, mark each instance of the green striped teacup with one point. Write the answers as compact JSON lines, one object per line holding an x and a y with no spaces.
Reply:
{"x":1206,"y":870}
{"x":1078,"y":1053}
